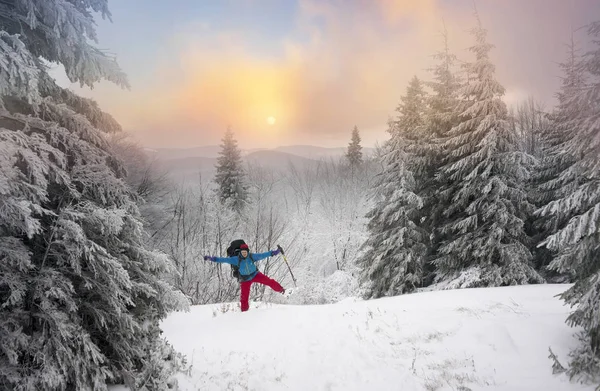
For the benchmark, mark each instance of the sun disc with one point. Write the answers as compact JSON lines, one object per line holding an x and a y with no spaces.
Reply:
{"x":271,"y":120}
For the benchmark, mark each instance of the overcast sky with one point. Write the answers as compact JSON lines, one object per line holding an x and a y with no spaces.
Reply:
{"x":318,"y":67}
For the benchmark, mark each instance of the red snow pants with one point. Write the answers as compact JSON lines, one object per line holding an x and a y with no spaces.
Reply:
{"x":261,"y":279}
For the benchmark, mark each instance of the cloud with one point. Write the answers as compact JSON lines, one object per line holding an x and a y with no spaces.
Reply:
{"x":343,"y":63}
{"x":423,"y":11}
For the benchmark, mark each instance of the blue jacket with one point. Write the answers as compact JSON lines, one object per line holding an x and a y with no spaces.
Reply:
{"x":247,"y":268}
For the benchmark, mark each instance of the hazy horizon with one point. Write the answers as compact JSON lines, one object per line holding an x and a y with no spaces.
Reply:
{"x":307,"y":71}
{"x":218,"y":145}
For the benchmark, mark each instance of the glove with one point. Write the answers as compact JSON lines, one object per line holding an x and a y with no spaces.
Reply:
{"x":207,"y":258}
{"x":274,"y":252}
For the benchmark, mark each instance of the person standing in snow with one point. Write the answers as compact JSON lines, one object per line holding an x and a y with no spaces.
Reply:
{"x":248,"y":272}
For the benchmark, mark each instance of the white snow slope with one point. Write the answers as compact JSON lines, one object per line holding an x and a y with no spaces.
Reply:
{"x":469,"y":339}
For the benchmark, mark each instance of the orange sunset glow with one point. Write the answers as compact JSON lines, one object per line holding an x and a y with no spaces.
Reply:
{"x":318,"y":67}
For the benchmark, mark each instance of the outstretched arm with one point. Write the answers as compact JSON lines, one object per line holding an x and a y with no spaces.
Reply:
{"x":229,"y":260}
{"x":260,"y":256}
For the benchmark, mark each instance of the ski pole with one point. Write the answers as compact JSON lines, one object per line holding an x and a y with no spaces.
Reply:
{"x":288,"y":265}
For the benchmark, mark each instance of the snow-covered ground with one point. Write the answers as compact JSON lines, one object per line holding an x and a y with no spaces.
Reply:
{"x":471,"y":339}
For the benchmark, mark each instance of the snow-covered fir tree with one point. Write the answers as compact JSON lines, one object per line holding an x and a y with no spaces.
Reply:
{"x":442,"y":115}
{"x":578,"y":242}
{"x":230,"y":177}
{"x":410,"y":123}
{"x":553,"y":180}
{"x":484,"y":241}
{"x":354,"y":151}
{"x":564,"y":118}
{"x":530,"y":122}
{"x":395,"y":250}
{"x":80,"y":296}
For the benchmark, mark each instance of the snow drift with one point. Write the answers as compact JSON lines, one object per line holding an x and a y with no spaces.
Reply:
{"x":469,"y":339}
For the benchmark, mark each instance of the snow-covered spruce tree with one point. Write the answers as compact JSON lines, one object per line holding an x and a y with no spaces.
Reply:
{"x":554,"y":180}
{"x":395,"y":250}
{"x":484,"y":241}
{"x":578,"y":242}
{"x":231,"y":178}
{"x":442,"y":116}
{"x":150,"y":183}
{"x":410,"y":123}
{"x":529,"y":122}
{"x":80,"y":296}
{"x":143,"y":173}
{"x":354,"y":152}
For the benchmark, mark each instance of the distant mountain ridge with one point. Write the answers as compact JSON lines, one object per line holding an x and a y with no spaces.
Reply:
{"x":200,"y":166}
{"x":312,"y":152}
{"x":212,"y":151}
{"x":200,"y":162}
{"x":209,"y":151}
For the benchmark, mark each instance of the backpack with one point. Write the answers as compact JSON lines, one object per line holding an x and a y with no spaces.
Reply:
{"x":234,"y":250}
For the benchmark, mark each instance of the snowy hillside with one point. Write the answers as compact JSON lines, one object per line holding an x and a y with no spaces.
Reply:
{"x":471,"y":339}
